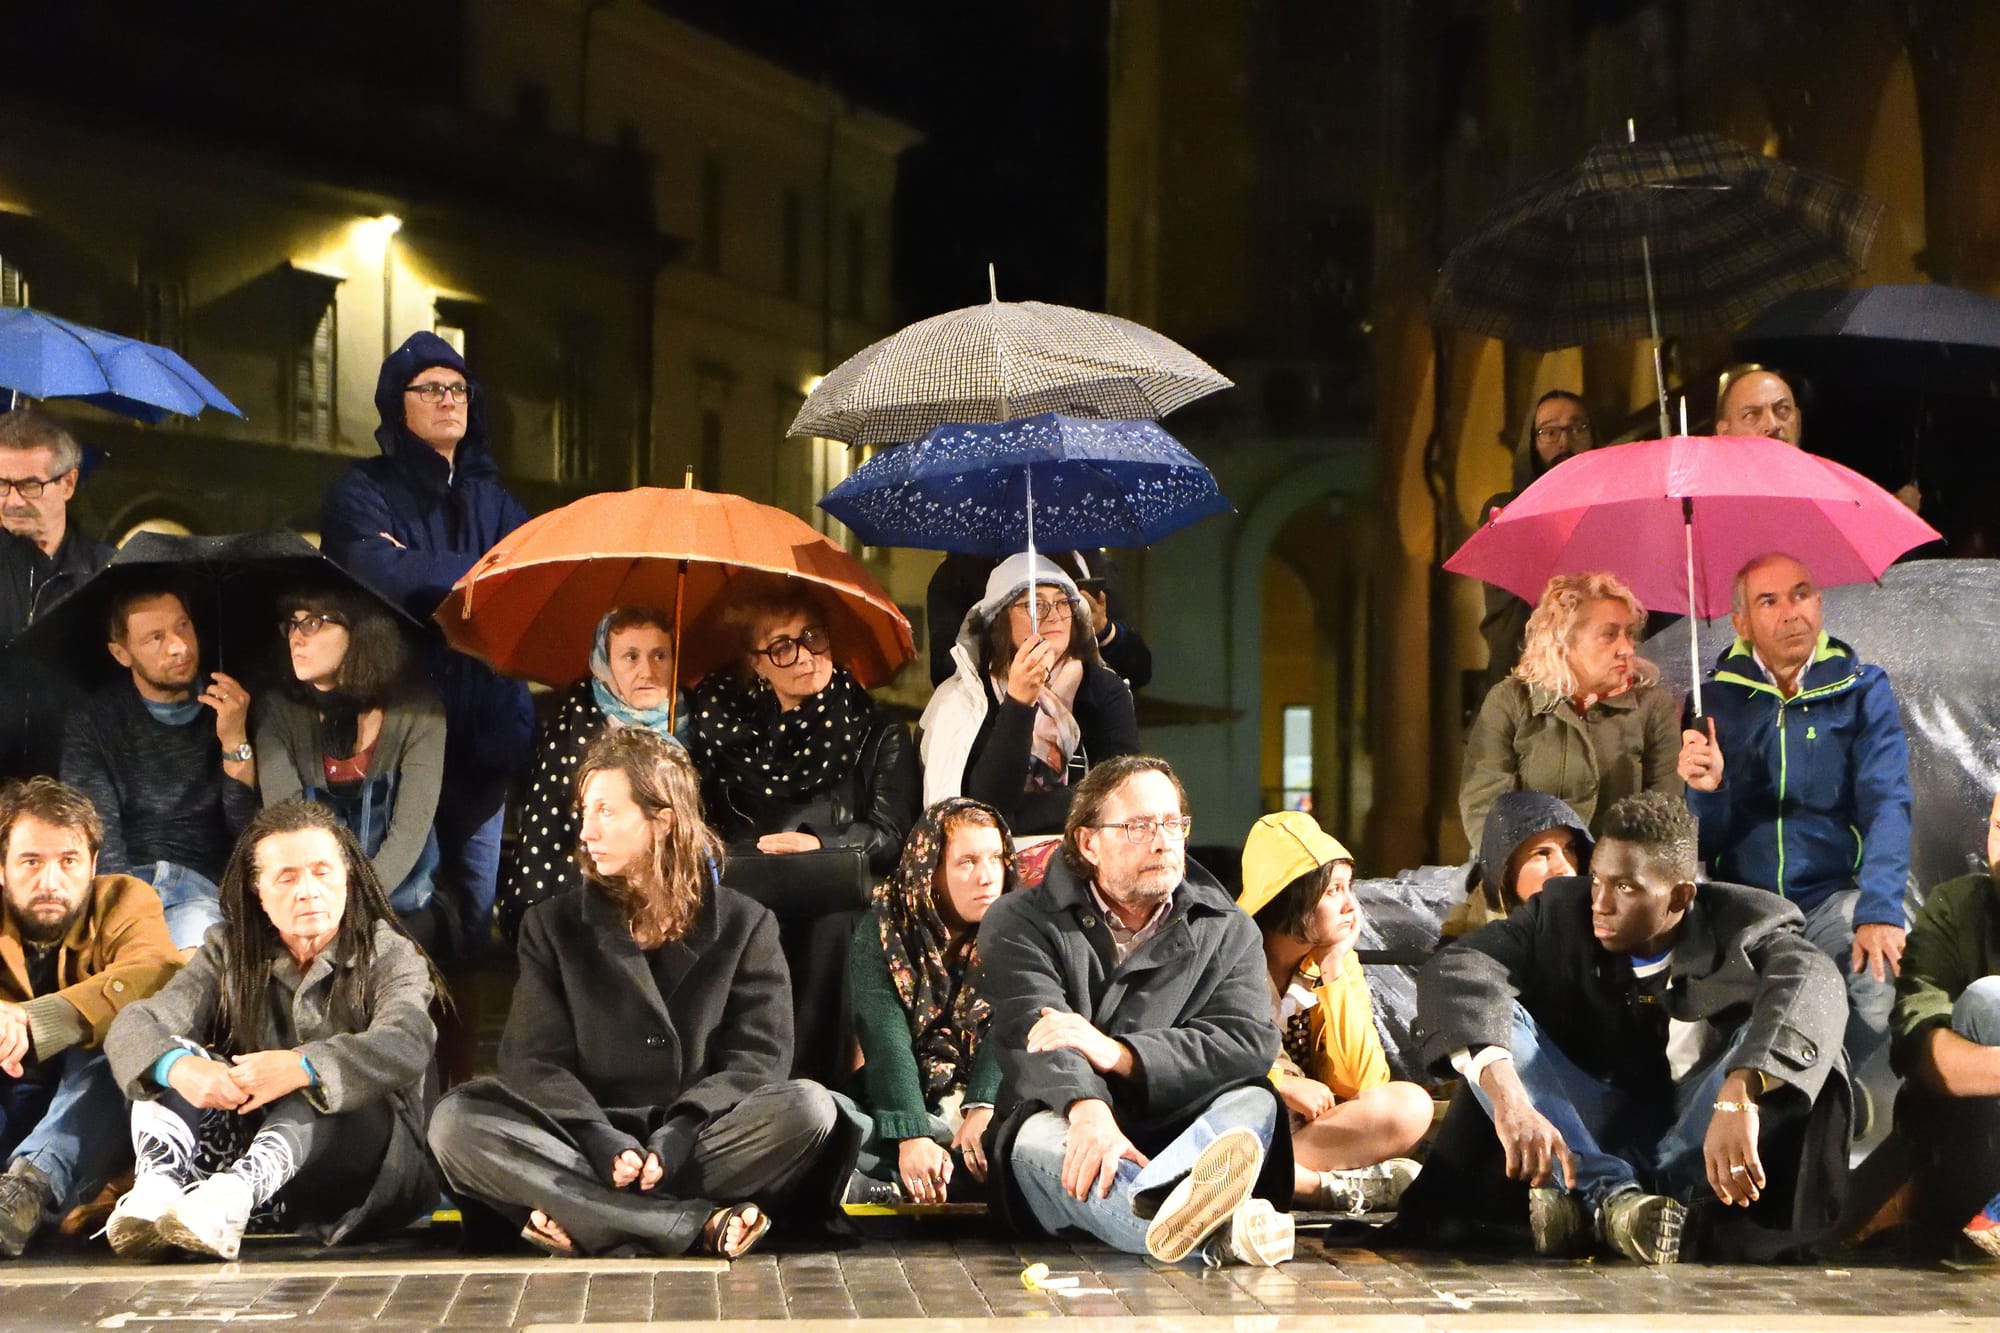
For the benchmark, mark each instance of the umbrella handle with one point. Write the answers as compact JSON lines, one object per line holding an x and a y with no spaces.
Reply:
{"x":1694,"y":607}
{"x":680,"y":589}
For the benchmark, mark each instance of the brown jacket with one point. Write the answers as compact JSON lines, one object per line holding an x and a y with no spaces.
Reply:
{"x":1527,"y":739}
{"x":117,"y":951}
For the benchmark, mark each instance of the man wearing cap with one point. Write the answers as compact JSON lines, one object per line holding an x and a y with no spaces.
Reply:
{"x":1351,"y":1124}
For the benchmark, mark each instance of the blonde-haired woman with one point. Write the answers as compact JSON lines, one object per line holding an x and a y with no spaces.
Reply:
{"x":1582,"y":718}
{"x":644,"y":1102}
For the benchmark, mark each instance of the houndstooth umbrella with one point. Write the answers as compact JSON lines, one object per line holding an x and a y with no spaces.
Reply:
{"x":1726,"y":232}
{"x":999,"y":361}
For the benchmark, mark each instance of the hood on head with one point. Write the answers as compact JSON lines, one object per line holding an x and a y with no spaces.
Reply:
{"x":1280,"y":848}
{"x":1008,"y":580}
{"x":419,"y":352}
{"x":1516,"y":817}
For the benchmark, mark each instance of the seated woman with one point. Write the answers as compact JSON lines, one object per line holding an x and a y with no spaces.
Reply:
{"x":1031,"y":707}
{"x":794,"y":755}
{"x":642,"y":1102}
{"x":1350,"y":1123}
{"x":1583,"y":718}
{"x":354,"y":728}
{"x":285,"y":1064}
{"x":1530,"y":838}
{"x":928,"y":1074}
{"x":631,"y":684}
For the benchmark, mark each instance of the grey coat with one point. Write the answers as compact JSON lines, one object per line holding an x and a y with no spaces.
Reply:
{"x":388,"y":1058}
{"x":1193,"y":1004}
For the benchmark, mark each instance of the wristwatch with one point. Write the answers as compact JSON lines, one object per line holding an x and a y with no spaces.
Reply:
{"x":242,"y":754}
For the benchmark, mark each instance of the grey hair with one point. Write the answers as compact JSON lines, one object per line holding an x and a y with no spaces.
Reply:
{"x":28,"y":428}
{"x":1739,"y":588}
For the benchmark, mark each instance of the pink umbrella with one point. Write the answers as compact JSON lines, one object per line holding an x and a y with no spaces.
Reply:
{"x":1676,"y":518}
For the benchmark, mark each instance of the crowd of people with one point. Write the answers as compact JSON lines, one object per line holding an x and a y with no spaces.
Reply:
{"x":221,"y":914}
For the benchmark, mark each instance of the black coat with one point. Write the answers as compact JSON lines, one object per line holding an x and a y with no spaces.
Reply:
{"x":997,"y":769}
{"x":1193,"y":1004}
{"x":598,"y":1049}
{"x":33,"y":698}
{"x":871,"y":809}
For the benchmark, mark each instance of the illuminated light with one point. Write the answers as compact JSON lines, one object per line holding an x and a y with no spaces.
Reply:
{"x":811,"y":382}
{"x":389,"y":223}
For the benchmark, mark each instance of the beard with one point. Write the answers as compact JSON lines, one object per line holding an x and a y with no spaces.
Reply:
{"x":39,"y":931}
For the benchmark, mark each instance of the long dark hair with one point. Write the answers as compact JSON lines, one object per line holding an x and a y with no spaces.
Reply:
{"x":660,"y":899}
{"x":378,"y":660}
{"x":250,"y":941}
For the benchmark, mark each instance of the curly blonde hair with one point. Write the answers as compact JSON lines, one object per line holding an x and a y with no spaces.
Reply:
{"x":1553,"y":627}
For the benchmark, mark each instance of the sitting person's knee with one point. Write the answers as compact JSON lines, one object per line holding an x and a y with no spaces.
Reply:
{"x":1412,"y":1109}
{"x":810,"y":1111}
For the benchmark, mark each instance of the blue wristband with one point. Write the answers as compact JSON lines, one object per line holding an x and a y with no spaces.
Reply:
{"x":166,"y":1062}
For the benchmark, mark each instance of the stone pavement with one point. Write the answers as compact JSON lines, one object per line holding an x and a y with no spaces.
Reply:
{"x":905,"y":1279}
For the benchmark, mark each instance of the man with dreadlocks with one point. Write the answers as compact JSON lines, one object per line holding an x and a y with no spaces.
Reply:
{"x":285,"y":1063}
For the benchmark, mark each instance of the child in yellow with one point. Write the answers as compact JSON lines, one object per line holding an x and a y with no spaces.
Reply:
{"x":1350,"y":1122}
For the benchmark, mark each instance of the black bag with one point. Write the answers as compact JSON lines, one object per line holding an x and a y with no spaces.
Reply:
{"x":817,"y":897}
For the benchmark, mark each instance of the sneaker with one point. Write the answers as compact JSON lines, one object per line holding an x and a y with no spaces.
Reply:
{"x":1984,"y":1228}
{"x":24,"y":1197}
{"x":1366,"y":1189}
{"x":1645,"y":1228}
{"x":868,"y":1191}
{"x":134,"y":1228}
{"x":1207,"y":1196}
{"x":209,"y":1219}
{"x":1557,"y":1222}
{"x":1257,"y":1234}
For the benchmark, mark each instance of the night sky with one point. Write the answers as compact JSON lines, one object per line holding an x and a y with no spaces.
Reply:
{"x":1011,"y":99}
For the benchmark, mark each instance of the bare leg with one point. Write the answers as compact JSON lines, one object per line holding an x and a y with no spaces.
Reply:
{"x":1383,"y":1122}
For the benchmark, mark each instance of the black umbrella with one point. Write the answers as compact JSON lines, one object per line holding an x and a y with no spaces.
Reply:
{"x":230,"y":585}
{"x":1914,"y":336}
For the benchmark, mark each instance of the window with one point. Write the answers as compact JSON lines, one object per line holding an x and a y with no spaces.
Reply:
{"x":576,"y":454}
{"x":857,"y":265}
{"x":1297,"y":770}
{"x":829,"y":465}
{"x":713,"y":383}
{"x":792,"y":252}
{"x":708,"y":467}
{"x":310,"y":386}
{"x":709,"y":237}
{"x":163,"y":310}
{"x":13,"y":285}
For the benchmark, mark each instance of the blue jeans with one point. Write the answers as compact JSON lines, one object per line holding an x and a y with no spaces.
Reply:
{"x":1830,"y":929}
{"x":190,"y":899}
{"x":1037,"y":1163}
{"x":67,"y":1117}
{"x":470,"y":813}
{"x":1976,"y":1014}
{"x":1617,"y":1139}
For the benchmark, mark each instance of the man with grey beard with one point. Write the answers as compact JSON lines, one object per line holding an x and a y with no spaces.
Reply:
{"x":1132,"y":1016}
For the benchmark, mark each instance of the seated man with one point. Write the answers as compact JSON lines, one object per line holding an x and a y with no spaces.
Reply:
{"x":75,"y":948}
{"x":1133,"y":1024}
{"x":173,"y":784}
{"x":1946,"y":1028}
{"x":1633,"y":1037}
{"x":1529,"y":838}
{"x":1350,"y":1121}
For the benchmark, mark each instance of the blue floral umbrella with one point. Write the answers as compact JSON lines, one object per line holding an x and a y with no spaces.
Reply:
{"x":45,"y":357}
{"x":1061,"y":482}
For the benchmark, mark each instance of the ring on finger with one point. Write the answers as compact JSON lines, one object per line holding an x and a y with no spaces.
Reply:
{"x":1739,"y":1170}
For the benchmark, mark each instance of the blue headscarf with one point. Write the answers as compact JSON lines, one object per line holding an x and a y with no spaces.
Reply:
{"x":616,"y":710}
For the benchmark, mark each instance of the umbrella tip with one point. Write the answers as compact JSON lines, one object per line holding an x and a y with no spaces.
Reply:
{"x":1631,"y":130}
{"x":992,"y":283}
{"x":687,"y":478}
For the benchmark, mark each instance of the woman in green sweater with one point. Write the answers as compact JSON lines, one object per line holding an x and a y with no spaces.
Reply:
{"x":928,"y":1077}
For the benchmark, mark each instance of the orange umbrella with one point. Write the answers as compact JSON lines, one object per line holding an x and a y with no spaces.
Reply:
{"x":530,"y":606}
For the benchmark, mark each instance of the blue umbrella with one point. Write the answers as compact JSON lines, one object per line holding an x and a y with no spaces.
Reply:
{"x":993,"y":488}
{"x":45,"y":357}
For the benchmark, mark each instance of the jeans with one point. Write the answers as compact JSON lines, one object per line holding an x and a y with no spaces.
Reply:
{"x":190,"y":899}
{"x":1616,"y":1139}
{"x":1037,"y":1163}
{"x":66,"y":1117}
{"x":470,"y":813}
{"x":1976,"y":1015}
{"x":1830,"y":929}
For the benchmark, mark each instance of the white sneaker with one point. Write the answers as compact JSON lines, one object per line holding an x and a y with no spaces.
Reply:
{"x":209,"y":1219}
{"x":1222,"y":1178}
{"x":133,"y":1228}
{"x":1364,"y":1189}
{"x":1257,"y":1234}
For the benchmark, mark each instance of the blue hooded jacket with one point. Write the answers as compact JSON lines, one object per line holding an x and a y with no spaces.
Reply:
{"x":443,"y":517}
{"x":1815,"y":793}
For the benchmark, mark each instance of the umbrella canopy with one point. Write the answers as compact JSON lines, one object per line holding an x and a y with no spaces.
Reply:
{"x":1627,"y":509}
{"x":1055,"y":482}
{"x":998,"y":361}
{"x":530,"y":606}
{"x":1726,"y":232}
{"x":45,"y":357}
{"x":230,"y":585}
{"x":1910,"y":336}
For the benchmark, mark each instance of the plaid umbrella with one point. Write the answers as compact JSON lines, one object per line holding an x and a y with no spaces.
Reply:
{"x":999,"y":361}
{"x":1729,"y":231}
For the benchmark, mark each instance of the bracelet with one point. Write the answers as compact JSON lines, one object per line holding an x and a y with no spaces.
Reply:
{"x":1737,"y":1107}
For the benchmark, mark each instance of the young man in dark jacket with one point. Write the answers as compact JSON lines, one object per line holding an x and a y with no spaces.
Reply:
{"x":1638,"y":1041}
{"x":410,"y":523}
{"x":1801,"y":779}
{"x":1132,"y":1016}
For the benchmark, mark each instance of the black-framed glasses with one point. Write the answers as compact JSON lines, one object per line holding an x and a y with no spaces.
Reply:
{"x":1142,"y":831}
{"x":308,"y":623}
{"x":437,"y":393}
{"x":1579,"y":431}
{"x":784,"y":650}
{"x":1053,"y":608}
{"x":29,"y":488}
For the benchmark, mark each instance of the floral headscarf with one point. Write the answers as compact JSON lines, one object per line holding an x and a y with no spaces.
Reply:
{"x":932,"y":977}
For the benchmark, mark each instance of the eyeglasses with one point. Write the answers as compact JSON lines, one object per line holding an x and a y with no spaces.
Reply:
{"x":1046,"y":610}
{"x":29,"y":488}
{"x":784,"y":650}
{"x":307,"y":624}
{"x":437,"y":393}
{"x":1579,"y":431}
{"x":1142,"y":831}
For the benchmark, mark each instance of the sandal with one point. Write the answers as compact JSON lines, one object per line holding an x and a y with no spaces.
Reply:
{"x":546,"y":1242}
{"x":715,"y":1232}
